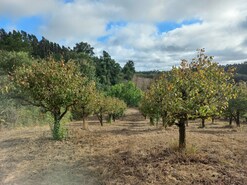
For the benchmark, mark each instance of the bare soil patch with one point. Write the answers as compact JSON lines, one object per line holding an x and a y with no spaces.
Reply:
{"x":129,"y":151}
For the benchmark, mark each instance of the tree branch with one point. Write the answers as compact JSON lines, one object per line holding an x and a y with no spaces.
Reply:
{"x":29,"y":102}
{"x":66,"y":110}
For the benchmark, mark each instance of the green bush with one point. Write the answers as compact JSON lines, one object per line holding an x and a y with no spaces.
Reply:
{"x":128,"y":92}
{"x":13,"y":114}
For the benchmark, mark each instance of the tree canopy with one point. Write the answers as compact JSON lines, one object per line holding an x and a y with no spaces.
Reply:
{"x":129,"y":70}
{"x":128,"y":92}
{"x":54,"y":86}
{"x":9,"y":61}
{"x":110,"y":106}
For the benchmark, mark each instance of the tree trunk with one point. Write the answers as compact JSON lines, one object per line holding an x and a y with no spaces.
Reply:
{"x":57,"y":133}
{"x":109,"y":118}
{"x":213,"y":119}
{"x":101,"y":119}
{"x":151,"y":120}
{"x":114,"y":117}
{"x":84,"y":124}
{"x":203,"y":122}
{"x":238,"y":118}
{"x":157,"y":121}
{"x":164,"y":123}
{"x":187,"y":123}
{"x":182,"y":133}
{"x":230,"y":120}
{"x":56,"y":127}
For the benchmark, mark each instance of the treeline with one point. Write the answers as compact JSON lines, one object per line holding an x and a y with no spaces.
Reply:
{"x":148,"y":74}
{"x":104,"y":70}
{"x":240,"y":68}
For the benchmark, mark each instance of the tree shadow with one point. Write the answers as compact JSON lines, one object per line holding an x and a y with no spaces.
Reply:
{"x":130,"y":129}
{"x":12,"y":143}
{"x":213,"y":131}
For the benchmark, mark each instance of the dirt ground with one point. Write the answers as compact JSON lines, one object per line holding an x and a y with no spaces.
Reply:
{"x":129,"y":151}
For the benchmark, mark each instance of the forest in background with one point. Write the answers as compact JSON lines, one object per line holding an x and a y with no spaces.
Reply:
{"x":22,"y":41}
{"x":104,"y":69}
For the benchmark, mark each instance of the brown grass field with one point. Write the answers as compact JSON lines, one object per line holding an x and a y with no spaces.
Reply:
{"x":129,"y":151}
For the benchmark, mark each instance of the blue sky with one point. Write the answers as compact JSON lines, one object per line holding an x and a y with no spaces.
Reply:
{"x":110,"y":25}
{"x":156,"y":34}
{"x":29,"y":24}
{"x":68,"y":1}
{"x":167,"y":26}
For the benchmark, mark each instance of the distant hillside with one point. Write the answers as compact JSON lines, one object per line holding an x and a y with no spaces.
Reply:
{"x":240,"y":68}
{"x":240,"y":77}
{"x":241,"y":71}
{"x":148,"y":74}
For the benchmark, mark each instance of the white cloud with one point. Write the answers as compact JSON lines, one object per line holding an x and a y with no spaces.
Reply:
{"x":222,"y":30}
{"x":74,"y":22}
{"x":23,"y":8}
{"x":220,"y":33}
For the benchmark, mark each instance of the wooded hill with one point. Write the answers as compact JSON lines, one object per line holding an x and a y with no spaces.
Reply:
{"x":105,"y":70}
{"x":241,"y":72}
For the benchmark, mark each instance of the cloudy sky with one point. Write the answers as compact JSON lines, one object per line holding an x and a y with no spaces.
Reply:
{"x":155,"y":34}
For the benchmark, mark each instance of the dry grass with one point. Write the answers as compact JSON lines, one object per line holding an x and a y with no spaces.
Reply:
{"x":127,"y":152}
